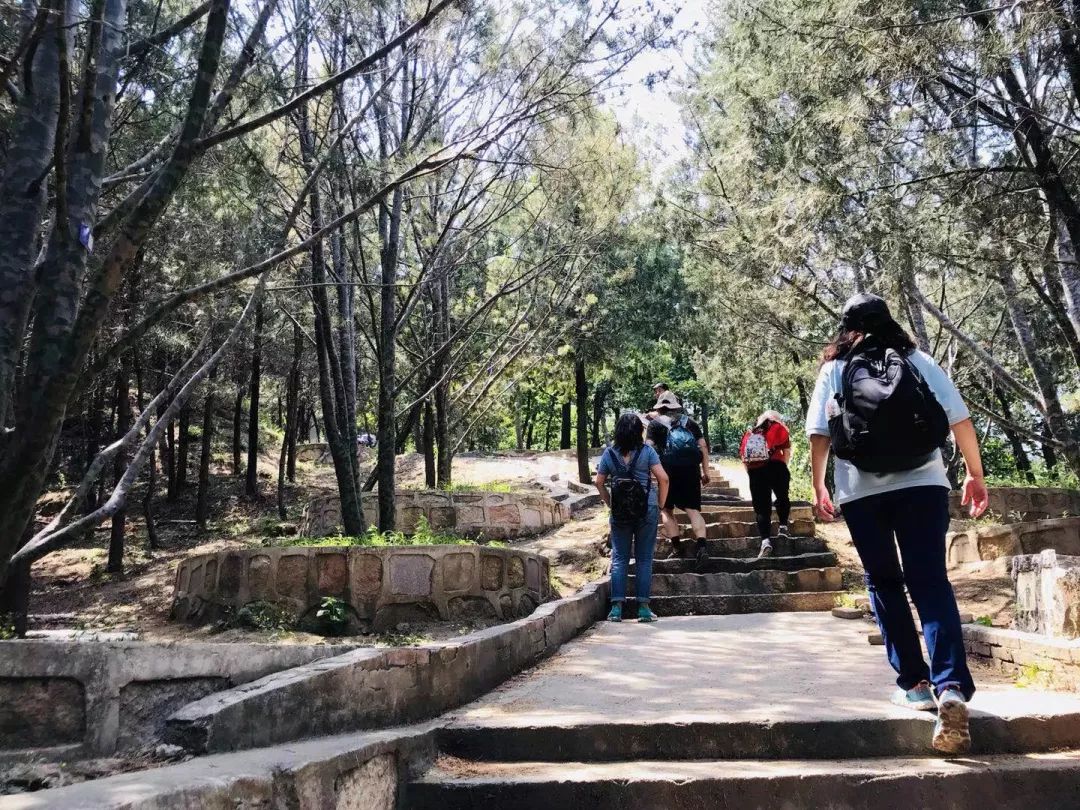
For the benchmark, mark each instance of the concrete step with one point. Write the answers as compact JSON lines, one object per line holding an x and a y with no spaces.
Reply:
{"x":736,"y":739}
{"x":747,"y":546}
{"x":751,"y":582}
{"x":1050,"y":782}
{"x":728,"y":604}
{"x":741,"y":511}
{"x":748,"y":529}
{"x":735,"y":565}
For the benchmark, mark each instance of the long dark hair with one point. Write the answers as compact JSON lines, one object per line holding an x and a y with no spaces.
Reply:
{"x":889,"y":334}
{"x":628,"y":431}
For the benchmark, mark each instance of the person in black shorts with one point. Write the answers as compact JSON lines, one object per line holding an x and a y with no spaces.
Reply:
{"x":685,"y":458}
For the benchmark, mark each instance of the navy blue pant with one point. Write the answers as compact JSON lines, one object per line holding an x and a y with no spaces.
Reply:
{"x":915,"y":519}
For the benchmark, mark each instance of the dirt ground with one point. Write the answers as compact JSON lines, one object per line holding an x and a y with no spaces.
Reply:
{"x":72,"y":590}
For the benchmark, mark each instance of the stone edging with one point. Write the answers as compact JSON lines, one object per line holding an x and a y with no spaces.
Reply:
{"x":382,"y":586}
{"x":1012,"y":539}
{"x":1013,"y":651}
{"x":354,"y":770}
{"x":1021,"y":504}
{"x":98,"y":696}
{"x":380,"y":688}
{"x":490,"y":515}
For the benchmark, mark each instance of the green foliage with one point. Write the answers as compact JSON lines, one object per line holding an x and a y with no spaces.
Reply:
{"x":7,"y":627}
{"x":333,"y":615}
{"x":985,"y":621}
{"x":422,"y":535}
{"x":493,"y":486}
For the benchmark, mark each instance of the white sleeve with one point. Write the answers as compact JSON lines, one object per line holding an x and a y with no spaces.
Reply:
{"x":817,"y":419}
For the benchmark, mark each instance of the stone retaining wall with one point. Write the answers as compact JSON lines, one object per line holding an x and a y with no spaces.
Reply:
{"x":96,"y":697}
{"x":312,"y":452}
{"x":1021,"y":504}
{"x":382,"y":585}
{"x":375,"y":688}
{"x":490,"y":515}
{"x":1047,"y":661}
{"x":1047,"y":594}
{"x":1009,"y":540}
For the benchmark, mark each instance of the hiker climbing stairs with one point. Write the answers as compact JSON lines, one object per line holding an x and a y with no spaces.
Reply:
{"x":800,"y":575}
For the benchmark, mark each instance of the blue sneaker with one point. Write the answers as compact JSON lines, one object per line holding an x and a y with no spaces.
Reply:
{"x":951,"y":732}
{"x":920,"y":698}
{"x":616,"y":612}
{"x":645,"y":614}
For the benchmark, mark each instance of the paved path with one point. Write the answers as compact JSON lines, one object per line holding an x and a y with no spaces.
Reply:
{"x":756,"y":668}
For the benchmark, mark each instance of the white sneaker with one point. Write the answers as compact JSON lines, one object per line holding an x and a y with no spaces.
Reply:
{"x":782,"y":531}
{"x":766,"y":549}
{"x":951,"y":732}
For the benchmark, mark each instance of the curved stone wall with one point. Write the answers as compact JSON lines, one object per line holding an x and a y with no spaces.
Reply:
{"x":383,"y":586}
{"x":1022,"y":504}
{"x":1012,"y":539}
{"x":490,"y":515}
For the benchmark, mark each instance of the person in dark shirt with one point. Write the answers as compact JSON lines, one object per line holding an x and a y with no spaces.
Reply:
{"x":685,"y":458}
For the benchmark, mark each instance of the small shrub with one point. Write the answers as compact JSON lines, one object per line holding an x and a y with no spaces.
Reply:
{"x":846,"y":600}
{"x":985,"y":621}
{"x":1033,"y":675}
{"x":333,"y":616}
{"x":7,"y":627}
{"x":401,"y":639}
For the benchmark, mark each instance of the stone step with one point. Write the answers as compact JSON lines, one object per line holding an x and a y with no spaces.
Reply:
{"x":751,"y":582}
{"x":747,"y":546}
{"x":729,"y":491}
{"x":728,"y":604}
{"x":735,"y":565}
{"x":732,"y":738}
{"x":1050,"y":782}
{"x":742,"y":511}
{"x":715,"y":531}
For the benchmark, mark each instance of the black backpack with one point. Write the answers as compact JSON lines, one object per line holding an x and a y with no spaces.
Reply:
{"x":629,"y":499}
{"x":889,"y":419}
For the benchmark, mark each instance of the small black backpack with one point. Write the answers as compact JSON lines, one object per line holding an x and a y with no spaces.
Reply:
{"x":889,"y":419}
{"x":629,"y":499}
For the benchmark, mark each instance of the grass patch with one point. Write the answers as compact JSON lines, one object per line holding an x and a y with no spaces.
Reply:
{"x":1033,"y":675}
{"x":423,"y":535}
{"x":502,"y":487}
{"x":985,"y":621}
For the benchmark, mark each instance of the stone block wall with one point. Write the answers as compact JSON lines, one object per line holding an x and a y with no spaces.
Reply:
{"x":1012,"y":539}
{"x":383,"y":586}
{"x":1047,"y":594}
{"x":1021,"y":504}
{"x":1049,"y":662}
{"x":490,"y":515}
{"x":97,"y":697}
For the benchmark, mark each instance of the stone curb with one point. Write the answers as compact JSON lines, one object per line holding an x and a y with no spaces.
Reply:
{"x":324,"y":773}
{"x":367,"y":689}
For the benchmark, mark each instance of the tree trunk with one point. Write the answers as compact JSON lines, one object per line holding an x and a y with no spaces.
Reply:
{"x":565,"y":440}
{"x":202,"y":499}
{"x":151,"y":467}
{"x":183,"y":449}
{"x":428,"y":446}
{"x":599,"y":396}
{"x":123,"y":424}
{"x":581,"y":390}
{"x":251,"y":480}
{"x":237,"y":427}
{"x":1016,"y":442}
{"x":548,"y":424}
{"x":172,"y":490}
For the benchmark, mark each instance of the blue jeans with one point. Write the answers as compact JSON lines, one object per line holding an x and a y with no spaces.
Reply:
{"x":642,"y":538}
{"x":915,"y":519}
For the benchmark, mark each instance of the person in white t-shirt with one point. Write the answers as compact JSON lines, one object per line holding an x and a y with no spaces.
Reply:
{"x":910,"y":510}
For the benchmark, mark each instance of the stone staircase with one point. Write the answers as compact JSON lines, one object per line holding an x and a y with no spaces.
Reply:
{"x":774,"y":705}
{"x":801,"y":575}
{"x":740,"y":712}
